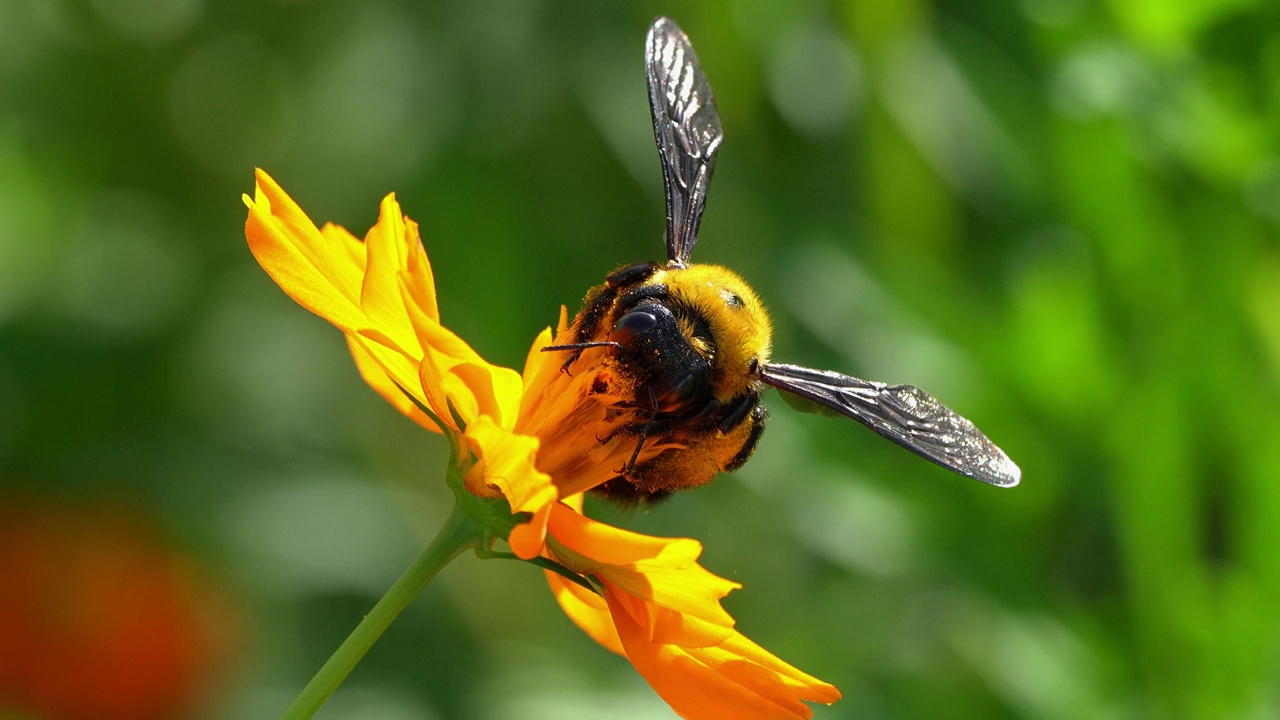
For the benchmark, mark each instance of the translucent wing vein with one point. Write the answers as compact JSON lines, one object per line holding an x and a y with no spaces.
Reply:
{"x":906,"y":415}
{"x":687,"y":129}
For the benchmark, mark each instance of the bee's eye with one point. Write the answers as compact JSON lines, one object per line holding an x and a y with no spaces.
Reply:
{"x":632,"y":324}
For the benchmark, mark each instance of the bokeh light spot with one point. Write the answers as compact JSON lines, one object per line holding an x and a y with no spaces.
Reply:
{"x":151,"y":21}
{"x":815,"y":80}
{"x":229,"y":104}
{"x":128,"y":269}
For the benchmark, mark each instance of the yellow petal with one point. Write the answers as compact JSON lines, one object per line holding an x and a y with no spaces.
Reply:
{"x":451,"y":368}
{"x":436,"y":338}
{"x":729,"y":657}
{"x":296,"y":255}
{"x":380,"y":296}
{"x":659,"y":580}
{"x":324,"y":271}
{"x":736,"y":680}
{"x":536,"y":359}
{"x":399,"y":366}
{"x":483,"y":389}
{"x":381,"y":292}
{"x":662,"y":624}
{"x":378,"y":379}
{"x":574,"y":502}
{"x":587,"y":610}
{"x":417,"y":276}
{"x":540,"y":368}
{"x":506,"y":463}
{"x":338,"y":238}
{"x":431,"y":383}
{"x":527,"y":541}
{"x":608,"y":545}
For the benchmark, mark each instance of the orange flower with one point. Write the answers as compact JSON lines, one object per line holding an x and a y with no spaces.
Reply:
{"x":99,"y":618}
{"x":661,"y":610}
{"x":534,"y":440}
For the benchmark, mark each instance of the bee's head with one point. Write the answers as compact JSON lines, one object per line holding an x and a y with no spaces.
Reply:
{"x":669,"y":353}
{"x":730,"y":319}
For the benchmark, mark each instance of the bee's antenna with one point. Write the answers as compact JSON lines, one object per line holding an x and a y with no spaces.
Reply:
{"x":581,"y":345}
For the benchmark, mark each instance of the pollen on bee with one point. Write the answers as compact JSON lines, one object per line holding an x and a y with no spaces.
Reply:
{"x":730,"y":298}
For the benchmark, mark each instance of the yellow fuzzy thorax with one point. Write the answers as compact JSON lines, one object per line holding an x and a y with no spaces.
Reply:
{"x":734,"y":315}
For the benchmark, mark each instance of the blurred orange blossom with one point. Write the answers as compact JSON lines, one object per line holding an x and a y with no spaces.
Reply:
{"x":100,"y":617}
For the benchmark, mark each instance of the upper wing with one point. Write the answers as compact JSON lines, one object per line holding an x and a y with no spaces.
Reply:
{"x":904,"y":414}
{"x":687,"y":129}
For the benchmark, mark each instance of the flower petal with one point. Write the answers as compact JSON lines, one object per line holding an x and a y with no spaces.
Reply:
{"x":382,"y":383}
{"x":399,"y":366}
{"x":736,"y":680}
{"x":506,"y":464}
{"x":587,"y":610}
{"x":352,"y":247}
{"x":539,"y":366}
{"x":418,"y":277}
{"x":483,"y":389}
{"x":296,"y":255}
{"x":387,"y":245}
{"x":664,"y":624}
{"x":381,"y":292}
{"x":658,"y":579}
{"x":323,"y":271}
{"x":608,"y":545}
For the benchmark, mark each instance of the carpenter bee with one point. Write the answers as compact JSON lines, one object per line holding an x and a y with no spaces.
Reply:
{"x":692,"y":341}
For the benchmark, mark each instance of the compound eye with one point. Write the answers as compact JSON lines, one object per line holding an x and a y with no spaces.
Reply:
{"x":632,"y":324}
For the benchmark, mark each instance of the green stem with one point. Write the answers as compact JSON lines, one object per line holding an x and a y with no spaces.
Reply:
{"x":460,"y":532}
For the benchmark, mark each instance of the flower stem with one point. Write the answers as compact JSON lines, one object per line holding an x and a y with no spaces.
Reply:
{"x":460,"y":532}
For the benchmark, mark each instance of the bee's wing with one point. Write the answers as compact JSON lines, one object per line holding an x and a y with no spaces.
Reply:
{"x":687,"y":129}
{"x":906,"y":415}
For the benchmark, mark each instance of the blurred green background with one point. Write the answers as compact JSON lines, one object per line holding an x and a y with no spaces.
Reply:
{"x":1058,"y":216}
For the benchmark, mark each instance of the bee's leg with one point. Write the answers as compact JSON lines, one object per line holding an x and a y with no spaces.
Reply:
{"x":738,"y":410}
{"x":628,"y":275}
{"x":757,"y":417}
{"x":600,"y":300}
{"x":644,"y":292}
{"x":644,"y":433}
{"x":622,"y":493}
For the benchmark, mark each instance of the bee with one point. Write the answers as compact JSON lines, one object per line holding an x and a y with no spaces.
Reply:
{"x":692,"y":341}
